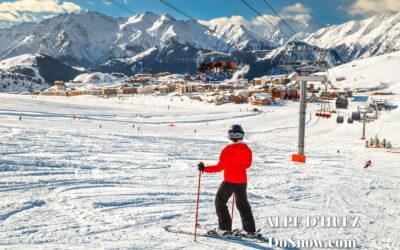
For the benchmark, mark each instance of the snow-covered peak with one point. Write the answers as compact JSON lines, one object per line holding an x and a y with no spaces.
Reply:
{"x":240,"y":37}
{"x":147,"y":16}
{"x":141,"y":21}
{"x":76,"y":37}
{"x":375,"y":35}
{"x":26,"y":60}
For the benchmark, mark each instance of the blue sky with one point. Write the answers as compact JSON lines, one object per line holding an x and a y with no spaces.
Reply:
{"x":323,"y":11}
{"x":326,"y":11}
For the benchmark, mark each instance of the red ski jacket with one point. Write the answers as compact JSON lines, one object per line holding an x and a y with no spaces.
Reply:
{"x":235,"y":159}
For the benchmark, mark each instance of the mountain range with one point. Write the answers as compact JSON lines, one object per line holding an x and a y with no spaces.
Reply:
{"x":150,"y":42}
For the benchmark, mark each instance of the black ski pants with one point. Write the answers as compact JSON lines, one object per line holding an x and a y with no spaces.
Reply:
{"x":225,"y":191}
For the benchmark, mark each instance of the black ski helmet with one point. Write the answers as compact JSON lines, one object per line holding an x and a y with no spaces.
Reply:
{"x":236,"y":132}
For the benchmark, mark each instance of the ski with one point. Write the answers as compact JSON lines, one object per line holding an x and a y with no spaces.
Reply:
{"x":231,"y":237}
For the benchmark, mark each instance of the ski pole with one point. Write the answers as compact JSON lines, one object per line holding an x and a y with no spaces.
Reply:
{"x":233,"y":206}
{"x":197,"y":206}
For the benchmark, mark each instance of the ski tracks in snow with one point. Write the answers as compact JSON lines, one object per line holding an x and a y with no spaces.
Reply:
{"x":68,"y":182}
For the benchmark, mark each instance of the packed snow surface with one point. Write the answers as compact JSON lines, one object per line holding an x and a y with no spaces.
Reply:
{"x":369,"y":72}
{"x":375,"y":35}
{"x":26,"y":60}
{"x":72,"y":183}
{"x":96,"y":77}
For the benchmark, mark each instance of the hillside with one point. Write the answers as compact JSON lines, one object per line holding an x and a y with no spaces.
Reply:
{"x":150,"y":42}
{"x":24,"y":72}
{"x":369,"y":72}
{"x":375,"y":35}
{"x":120,"y":174}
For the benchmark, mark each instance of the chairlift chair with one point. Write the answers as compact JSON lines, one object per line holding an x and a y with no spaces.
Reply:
{"x":216,"y":65}
{"x":340,"y":119}
{"x":325,"y":111}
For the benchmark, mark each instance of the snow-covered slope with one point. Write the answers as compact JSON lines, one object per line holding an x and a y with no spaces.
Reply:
{"x":359,"y":39}
{"x":89,"y":38}
{"x":38,"y":68}
{"x":369,"y":72}
{"x":71,"y":183}
{"x":284,"y":33}
{"x":241,"y":38}
{"x":10,"y":35}
{"x":294,"y":52}
{"x":96,"y":77}
{"x":153,"y":42}
{"x":143,"y":31}
{"x":17,"y":83}
{"x":74,"y":38}
{"x":27,"y":60}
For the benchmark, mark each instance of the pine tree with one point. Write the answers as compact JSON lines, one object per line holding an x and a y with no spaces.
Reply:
{"x":377,"y":142}
{"x":384,"y":144}
{"x":371,"y":144}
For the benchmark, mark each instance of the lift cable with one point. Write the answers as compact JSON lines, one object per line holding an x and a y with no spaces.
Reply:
{"x":212,"y":31}
{"x":263,"y":17}
{"x":277,"y":14}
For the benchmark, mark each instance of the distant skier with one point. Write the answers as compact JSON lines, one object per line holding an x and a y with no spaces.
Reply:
{"x":368,"y":164}
{"x":234,"y":160}
{"x":20,"y":117}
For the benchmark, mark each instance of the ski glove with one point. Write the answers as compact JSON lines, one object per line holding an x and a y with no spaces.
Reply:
{"x":200,"y":166}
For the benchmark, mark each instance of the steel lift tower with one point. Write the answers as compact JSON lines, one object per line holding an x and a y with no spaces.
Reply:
{"x":305,"y":69}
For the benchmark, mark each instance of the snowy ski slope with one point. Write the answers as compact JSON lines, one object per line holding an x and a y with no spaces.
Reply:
{"x":69,"y":183}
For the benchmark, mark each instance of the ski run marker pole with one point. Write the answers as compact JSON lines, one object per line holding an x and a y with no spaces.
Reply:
{"x":197,"y":206}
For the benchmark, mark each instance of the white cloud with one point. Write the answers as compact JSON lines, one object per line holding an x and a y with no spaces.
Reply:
{"x":295,"y":9}
{"x":296,"y":12}
{"x":370,"y":7}
{"x":33,"y":10}
{"x":236,"y":20}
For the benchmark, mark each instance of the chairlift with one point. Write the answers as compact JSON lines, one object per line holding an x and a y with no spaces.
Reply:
{"x":339,"y":119}
{"x":325,"y":111}
{"x":216,"y":65}
{"x":342,"y":102}
{"x":356,"y":116}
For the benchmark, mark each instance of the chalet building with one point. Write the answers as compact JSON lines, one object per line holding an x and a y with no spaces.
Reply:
{"x":59,"y":84}
{"x":278,"y":93}
{"x":257,"y":91}
{"x":161,"y":74}
{"x":145,"y":89}
{"x":163,"y":89}
{"x":129,"y":90}
{"x":261,"y":99}
{"x":107,"y":91}
{"x":237,"y":99}
{"x":206,"y":87}
{"x":187,"y":88}
{"x":53,"y":93}
{"x":94,"y":92}
{"x":277,"y":80}
{"x":76,"y":93}
{"x":226,"y":87}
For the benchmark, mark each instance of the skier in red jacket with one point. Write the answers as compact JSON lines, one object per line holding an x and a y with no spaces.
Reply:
{"x":234,"y":160}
